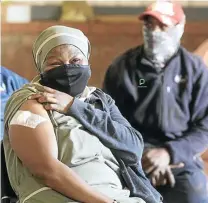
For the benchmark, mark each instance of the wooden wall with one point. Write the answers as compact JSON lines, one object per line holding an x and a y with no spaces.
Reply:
{"x":108,"y":39}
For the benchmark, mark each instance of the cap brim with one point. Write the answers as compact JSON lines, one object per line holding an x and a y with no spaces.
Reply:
{"x":151,"y":13}
{"x":155,"y":14}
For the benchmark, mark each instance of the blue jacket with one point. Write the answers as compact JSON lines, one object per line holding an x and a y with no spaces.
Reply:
{"x":9,"y":82}
{"x":168,"y":106}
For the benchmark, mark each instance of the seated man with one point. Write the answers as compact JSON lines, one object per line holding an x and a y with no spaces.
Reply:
{"x":10,"y":82}
{"x":162,"y":90}
{"x":67,"y":142}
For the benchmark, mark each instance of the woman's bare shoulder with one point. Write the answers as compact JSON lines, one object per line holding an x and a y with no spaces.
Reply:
{"x":34,"y":107}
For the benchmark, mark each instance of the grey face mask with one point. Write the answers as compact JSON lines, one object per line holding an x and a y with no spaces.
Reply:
{"x":160,"y":46}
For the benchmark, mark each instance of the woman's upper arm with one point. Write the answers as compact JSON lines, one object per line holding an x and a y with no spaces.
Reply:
{"x":35,"y":147}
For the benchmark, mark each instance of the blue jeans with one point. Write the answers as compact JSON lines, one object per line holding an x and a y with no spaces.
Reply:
{"x":191,"y":187}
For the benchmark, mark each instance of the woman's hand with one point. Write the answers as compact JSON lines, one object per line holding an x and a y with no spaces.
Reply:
{"x":54,"y":100}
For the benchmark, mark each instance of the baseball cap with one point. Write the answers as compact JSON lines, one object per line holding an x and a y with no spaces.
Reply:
{"x":168,"y":13}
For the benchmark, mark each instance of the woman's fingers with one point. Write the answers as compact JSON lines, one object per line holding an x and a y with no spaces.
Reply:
{"x":47,"y":100}
{"x":41,"y":94}
{"x":44,"y":97}
{"x":46,"y":94}
{"x":53,"y":100}
{"x":49,"y":90}
{"x":35,"y":96}
{"x":54,"y":107}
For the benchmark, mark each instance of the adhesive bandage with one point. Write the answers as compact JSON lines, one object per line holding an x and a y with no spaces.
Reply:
{"x":27,"y":119}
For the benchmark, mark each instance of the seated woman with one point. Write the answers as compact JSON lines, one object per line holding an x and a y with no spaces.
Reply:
{"x":65,"y":141}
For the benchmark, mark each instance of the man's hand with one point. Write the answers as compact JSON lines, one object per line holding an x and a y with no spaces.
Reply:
{"x":163,"y":176}
{"x":54,"y":100}
{"x":155,"y":158}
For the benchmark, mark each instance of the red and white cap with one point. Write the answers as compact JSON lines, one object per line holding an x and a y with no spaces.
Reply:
{"x":168,"y":13}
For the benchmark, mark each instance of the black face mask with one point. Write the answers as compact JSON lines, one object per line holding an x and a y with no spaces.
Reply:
{"x":71,"y":79}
